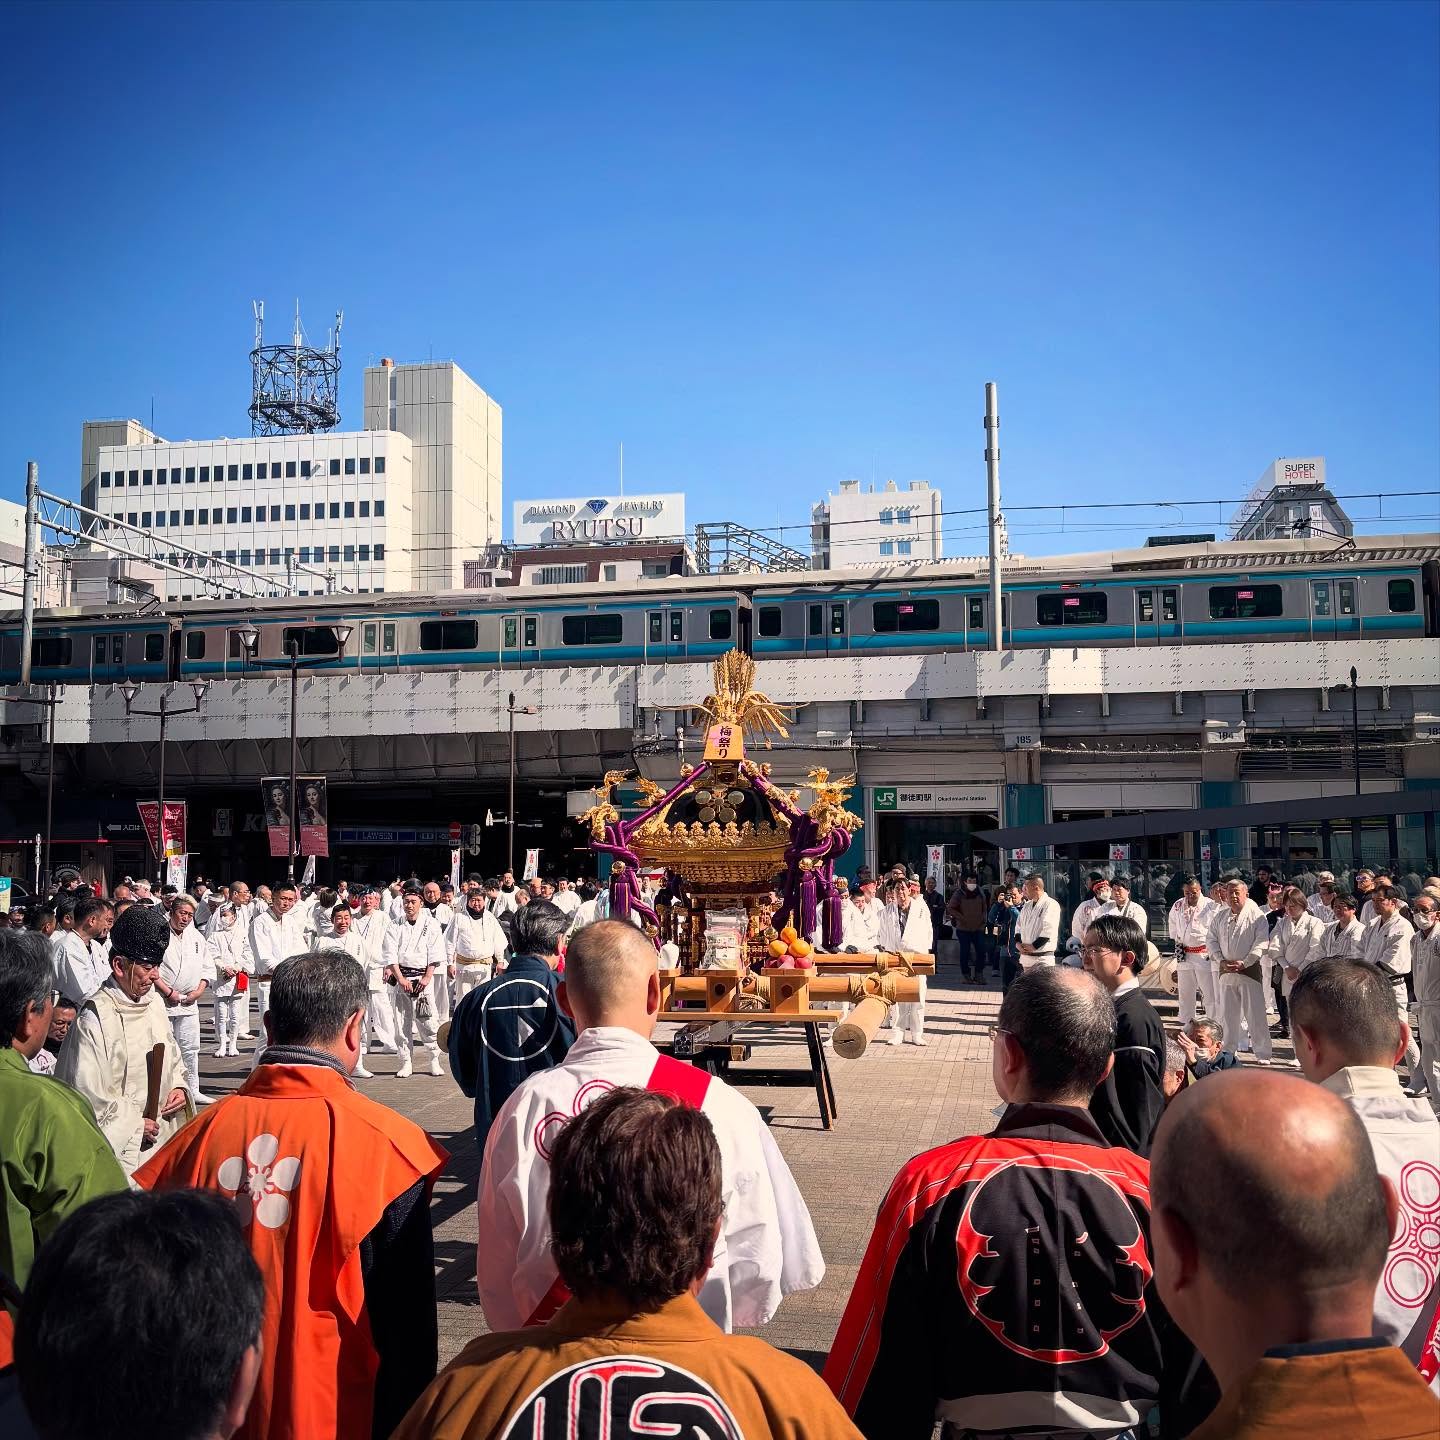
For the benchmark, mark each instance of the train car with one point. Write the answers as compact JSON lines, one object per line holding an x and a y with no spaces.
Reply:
{"x":1207,"y":594}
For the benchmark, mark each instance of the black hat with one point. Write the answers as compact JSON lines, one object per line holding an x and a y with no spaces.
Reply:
{"x":142,"y":933}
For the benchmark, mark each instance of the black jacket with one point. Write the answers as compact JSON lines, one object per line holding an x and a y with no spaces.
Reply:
{"x":1128,"y":1105}
{"x":505,"y":1030}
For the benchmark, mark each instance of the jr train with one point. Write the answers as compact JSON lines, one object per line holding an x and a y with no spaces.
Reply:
{"x":1249,"y":592}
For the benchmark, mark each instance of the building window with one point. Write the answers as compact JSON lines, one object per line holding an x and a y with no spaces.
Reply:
{"x":134,"y":477}
{"x":379,"y":464}
{"x":334,"y":509}
{"x":449,"y":634}
{"x":334,"y":554}
{"x":1402,"y":597}
{"x":364,"y":464}
{"x":591,"y":629}
{"x":174,"y":517}
{"x":148,"y":478}
{"x":289,"y":469}
{"x":274,"y":514}
{"x":104,"y":479}
{"x":349,"y":554}
{"x":229,"y":557}
{"x":304,"y":554}
{"x":610,"y":573}
{"x":379,"y":509}
{"x":349,"y":464}
{"x":160,"y":476}
{"x":1245,"y":602}
{"x":887,"y":517}
{"x":159,"y":519}
{"x":247,"y":472}
{"x":190,"y":517}
{"x":232,"y":515}
{"x":289,"y":512}
{"x":304,"y":469}
{"x":244,"y":514}
{"x":890,"y":616}
{"x":233,"y":470}
{"x":349,"y":509}
{"x":244,"y":557}
{"x":379,"y":552}
{"x":364,"y":552}
{"x":189,"y":474}
{"x":364,"y":509}
{"x":561,"y":575}
{"x":334,"y":467}
{"x":145,"y":520}
{"x":175,"y":475}
{"x":768,"y":621}
{"x":132,"y":519}
{"x":305,"y":512}
{"x":887,"y":547}
{"x":902,"y":547}
{"x":1090,"y":608}
{"x":204,"y":474}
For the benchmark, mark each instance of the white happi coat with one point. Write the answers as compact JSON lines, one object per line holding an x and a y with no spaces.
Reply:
{"x":767,"y":1247}
{"x":1387,"y":942}
{"x":228,"y":950}
{"x":1085,"y":912}
{"x":1294,"y":944}
{"x":1344,"y":944}
{"x":1319,"y":909}
{"x":860,"y":926}
{"x":81,"y":966}
{"x":1405,"y":1136}
{"x":1241,"y":937}
{"x":104,"y":1058}
{"x":273,"y":940}
{"x":416,"y":947}
{"x":372,"y":930}
{"x":566,"y":900}
{"x":915,"y":931}
{"x":1037,"y":918}
{"x":186,"y":964}
{"x":1189,"y":925}
{"x":475,"y":940}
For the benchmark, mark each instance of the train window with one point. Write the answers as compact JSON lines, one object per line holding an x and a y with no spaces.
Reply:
{"x":591,"y":630}
{"x":720,"y":624}
{"x":1091,"y":607}
{"x":769,"y":621}
{"x":1169,"y":610}
{"x":1402,"y":596}
{"x":1345,"y":596}
{"x":837,"y":619}
{"x":1245,"y":602}
{"x":677,"y":626}
{"x":50,"y":650}
{"x":310,"y":640}
{"x":975,"y":612}
{"x":1320,"y":590}
{"x":531,"y":625}
{"x":367,"y":637}
{"x":512,"y":632}
{"x":195,"y":645}
{"x":100,"y":648}
{"x":387,"y":637}
{"x":816,"y":620}
{"x":656,"y":629}
{"x":155,"y":646}
{"x":117,"y":649}
{"x":449,"y":634}
{"x":906,"y":615}
{"x":1145,"y":606}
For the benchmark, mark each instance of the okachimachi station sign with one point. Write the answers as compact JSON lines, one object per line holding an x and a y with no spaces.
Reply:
{"x":599,"y":518}
{"x":909,"y":819}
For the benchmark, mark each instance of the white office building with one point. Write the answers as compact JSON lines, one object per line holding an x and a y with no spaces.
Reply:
{"x":876,"y":527}
{"x":395,"y":506}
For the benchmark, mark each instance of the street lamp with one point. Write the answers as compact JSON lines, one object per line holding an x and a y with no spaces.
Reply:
{"x":250,"y":641}
{"x":1355,"y":721}
{"x":512,"y":712}
{"x":49,"y":704}
{"x":163,"y":714}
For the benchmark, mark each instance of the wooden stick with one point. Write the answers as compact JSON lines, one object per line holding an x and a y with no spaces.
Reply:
{"x":154,"y":1074}
{"x":857,"y":1030}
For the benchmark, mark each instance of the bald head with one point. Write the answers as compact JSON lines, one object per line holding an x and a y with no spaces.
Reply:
{"x":1275,"y":1182}
{"x":609,"y":970}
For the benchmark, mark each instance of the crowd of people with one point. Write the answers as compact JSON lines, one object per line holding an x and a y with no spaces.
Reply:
{"x":1155,"y":1238}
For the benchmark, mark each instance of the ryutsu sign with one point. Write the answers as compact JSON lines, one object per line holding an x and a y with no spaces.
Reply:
{"x":600,"y":518}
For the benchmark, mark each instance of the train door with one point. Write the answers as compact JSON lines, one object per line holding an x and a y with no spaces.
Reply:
{"x":975,"y":636}
{"x":1170,"y":628}
{"x":1147,"y":621}
{"x":744,"y":639}
{"x":665,"y":635}
{"x":827,"y":627}
{"x":1322,"y":609}
{"x":378,"y":649}
{"x":1347,"y":609}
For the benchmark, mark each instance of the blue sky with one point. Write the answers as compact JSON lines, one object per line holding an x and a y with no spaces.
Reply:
{"x":769,"y":247}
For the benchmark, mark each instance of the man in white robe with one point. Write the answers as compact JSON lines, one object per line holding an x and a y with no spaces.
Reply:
{"x":276,"y":933}
{"x":1037,"y":931}
{"x":1238,"y":936}
{"x":1425,"y":969}
{"x":905,"y":925}
{"x":1388,"y":940}
{"x":564,"y":897}
{"x":229,"y":959}
{"x":1087,"y":910}
{"x":243,"y":903}
{"x":1345,"y":936}
{"x":82,"y":965}
{"x":767,"y":1247}
{"x":475,"y":941}
{"x":414,"y":957}
{"x":1188,"y":925}
{"x":372,"y":925}
{"x":184,"y":977}
{"x":105,"y":1056}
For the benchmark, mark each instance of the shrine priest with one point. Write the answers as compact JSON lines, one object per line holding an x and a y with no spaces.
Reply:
{"x":119,"y":1031}
{"x":766,"y":1248}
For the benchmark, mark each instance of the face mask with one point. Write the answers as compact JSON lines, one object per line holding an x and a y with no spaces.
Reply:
{"x":1424,"y":919}
{"x":1103,"y":896}
{"x":971,"y":885}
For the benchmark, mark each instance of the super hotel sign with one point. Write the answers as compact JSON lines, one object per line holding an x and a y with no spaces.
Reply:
{"x":920,"y":799}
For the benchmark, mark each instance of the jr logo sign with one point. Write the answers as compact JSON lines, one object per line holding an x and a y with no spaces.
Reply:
{"x":887,"y":798}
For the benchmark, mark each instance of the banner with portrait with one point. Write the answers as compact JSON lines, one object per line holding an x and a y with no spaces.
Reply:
{"x":314,"y":815}
{"x":275,"y":802}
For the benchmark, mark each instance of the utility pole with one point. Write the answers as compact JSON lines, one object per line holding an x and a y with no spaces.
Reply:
{"x":32,"y":568}
{"x":992,"y":485}
{"x":1355,"y":722}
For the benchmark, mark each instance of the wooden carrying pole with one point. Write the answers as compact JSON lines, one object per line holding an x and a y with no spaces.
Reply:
{"x":854,"y":989}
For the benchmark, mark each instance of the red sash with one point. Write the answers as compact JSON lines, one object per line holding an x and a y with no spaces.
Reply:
{"x":684,"y":1083}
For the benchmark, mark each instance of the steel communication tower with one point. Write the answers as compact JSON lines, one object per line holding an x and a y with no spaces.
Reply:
{"x":294,"y":387}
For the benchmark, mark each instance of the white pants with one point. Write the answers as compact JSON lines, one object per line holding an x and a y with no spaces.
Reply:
{"x":1197,"y":976}
{"x":414,"y":1030}
{"x":441,"y":995}
{"x":185,"y":1025}
{"x":1429,"y":1022}
{"x":1242,"y":997}
{"x":264,"y":987}
{"x":380,"y":1027}
{"x":470,"y":975}
{"x":242,"y":1013}
{"x":1419,"y":1080}
{"x":908,"y":1017}
{"x":229,"y":1012}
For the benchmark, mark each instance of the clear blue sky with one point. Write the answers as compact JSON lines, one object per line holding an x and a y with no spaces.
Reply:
{"x":767,"y":246}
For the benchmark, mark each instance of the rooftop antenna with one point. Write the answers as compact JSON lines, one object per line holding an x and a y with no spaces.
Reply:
{"x":295,"y":387}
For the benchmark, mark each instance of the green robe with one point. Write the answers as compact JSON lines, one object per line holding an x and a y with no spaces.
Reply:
{"x":53,"y":1159}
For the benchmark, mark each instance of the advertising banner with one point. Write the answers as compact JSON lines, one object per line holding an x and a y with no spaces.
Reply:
{"x":314,"y":816}
{"x":275,"y":800}
{"x":173,"y":840}
{"x":532,"y":864}
{"x":177,"y":872}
